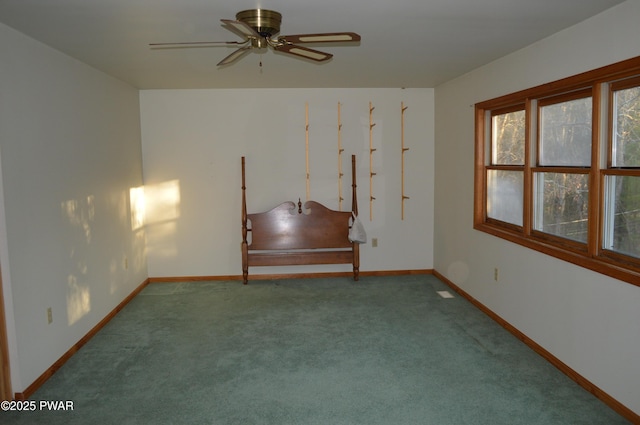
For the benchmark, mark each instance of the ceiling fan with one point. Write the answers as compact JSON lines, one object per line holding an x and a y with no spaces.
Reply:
{"x":259,"y":27}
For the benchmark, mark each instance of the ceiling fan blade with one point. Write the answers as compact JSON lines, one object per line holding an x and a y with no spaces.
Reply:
{"x":304,"y":52}
{"x":235,"y":55}
{"x":240,"y":28}
{"x":188,"y":44}
{"x":332,"y":37}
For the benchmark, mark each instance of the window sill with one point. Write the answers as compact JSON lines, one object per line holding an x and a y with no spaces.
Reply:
{"x":603,"y":265}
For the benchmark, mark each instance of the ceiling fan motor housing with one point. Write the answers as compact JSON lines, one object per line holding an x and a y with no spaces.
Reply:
{"x":265,"y":22}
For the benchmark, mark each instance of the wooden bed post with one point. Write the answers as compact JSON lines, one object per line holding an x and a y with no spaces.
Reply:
{"x":245,"y":246}
{"x":354,"y":210}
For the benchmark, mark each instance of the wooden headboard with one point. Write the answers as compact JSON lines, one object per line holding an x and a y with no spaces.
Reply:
{"x":297,"y":234}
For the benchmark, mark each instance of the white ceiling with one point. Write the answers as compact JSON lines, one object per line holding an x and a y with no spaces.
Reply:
{"x":405,"y":43}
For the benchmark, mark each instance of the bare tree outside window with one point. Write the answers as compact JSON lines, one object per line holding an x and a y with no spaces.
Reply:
{"x":565,"y":134}
{"x":622,"y":192}
{"x":626,"y":141}
{"x":505,"y":187}
{"x":561,"y":201}
{"x":508,"y":139}
{"x":564,"y":210}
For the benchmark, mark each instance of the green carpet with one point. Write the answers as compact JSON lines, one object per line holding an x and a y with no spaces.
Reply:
{"x":384,"y":350}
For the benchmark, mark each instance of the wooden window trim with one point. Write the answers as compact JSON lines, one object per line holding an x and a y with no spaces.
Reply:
{"x":625,"y":83}
{"x":612,"y":77}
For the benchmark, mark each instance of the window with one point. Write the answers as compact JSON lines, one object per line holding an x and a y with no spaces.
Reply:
{"x":558,"y":169}
{"x":621,"y":224}
{"x":504,"y":191}
{"x":560,"y":178}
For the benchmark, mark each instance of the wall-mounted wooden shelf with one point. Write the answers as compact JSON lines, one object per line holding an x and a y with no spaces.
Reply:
{"x":306,"y":129}
{"x":340,"y":150}
{"x":404,"y":150}
{"x":371,"y":151}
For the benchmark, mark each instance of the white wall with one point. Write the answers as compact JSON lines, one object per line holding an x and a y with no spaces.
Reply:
{"x":587,"y":320}
{"x":70,"y":152}
{"x":193,"y":141}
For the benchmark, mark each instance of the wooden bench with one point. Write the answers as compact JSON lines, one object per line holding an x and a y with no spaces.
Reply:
{"x":291,"y":234}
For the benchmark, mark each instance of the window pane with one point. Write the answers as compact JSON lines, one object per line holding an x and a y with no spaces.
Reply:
{"x":626,"y":137}
{"x":561,"y":205}
{"x":505,"y":196}
{"x":507,"y":131}
{"x":622,"y":215}
{"x":565,"y":133}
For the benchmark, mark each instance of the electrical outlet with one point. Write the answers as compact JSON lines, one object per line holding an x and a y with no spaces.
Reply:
{"x":374,"y":242}
{"x":495,"y":274}
{"x":49,"y":315}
